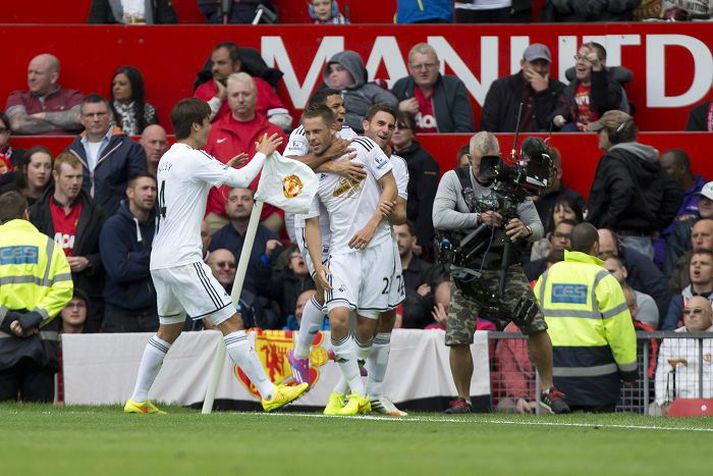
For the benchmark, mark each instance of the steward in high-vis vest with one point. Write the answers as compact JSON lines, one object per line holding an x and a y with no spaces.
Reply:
{"x":35,"y":284}
{"x":593,"y":337}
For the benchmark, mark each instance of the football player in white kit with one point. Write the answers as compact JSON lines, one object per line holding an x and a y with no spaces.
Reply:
{"x":360,"y":262}
{"x":379,"y":125}
{"x":298,"y":148}
{"x":184,"y":283}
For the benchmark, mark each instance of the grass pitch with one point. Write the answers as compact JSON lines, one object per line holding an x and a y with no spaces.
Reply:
{"x":58,"y":441}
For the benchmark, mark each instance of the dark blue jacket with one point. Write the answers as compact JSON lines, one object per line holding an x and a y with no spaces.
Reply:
{"x":228,"y":238}
{"x":645,"y":277}
{"x":118,"y":161}
{"x":675,"y":310}
{"x":125,"y":247}
{"x":451,"y":102}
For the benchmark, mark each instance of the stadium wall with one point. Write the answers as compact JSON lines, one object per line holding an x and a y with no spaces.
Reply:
{"x":579,"y":151}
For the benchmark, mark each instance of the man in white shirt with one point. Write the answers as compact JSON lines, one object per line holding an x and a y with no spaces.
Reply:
{"x":373,"y":336}
{"x":361,"y":251}
{"x":184,"y":283}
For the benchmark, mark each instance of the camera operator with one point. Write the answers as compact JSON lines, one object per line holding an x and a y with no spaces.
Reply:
{"x":455,"y":214}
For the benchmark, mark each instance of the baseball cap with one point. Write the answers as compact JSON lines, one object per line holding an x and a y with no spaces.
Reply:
{"x":610,"y":119}
{"x":537,"y":51}
{"x":706,"y":191}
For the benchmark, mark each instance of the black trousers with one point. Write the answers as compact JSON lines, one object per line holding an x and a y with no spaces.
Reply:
{"x":31,"y":381}
{"x":118,"y":320}
{"x":496,"y":15}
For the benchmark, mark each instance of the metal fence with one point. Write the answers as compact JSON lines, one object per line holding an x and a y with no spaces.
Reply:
{"x":671,"y":365}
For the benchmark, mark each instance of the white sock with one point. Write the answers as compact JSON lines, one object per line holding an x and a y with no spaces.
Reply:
{"x":342,"y":386}
{"x":151,"y":362}
{"x":312,"y":318}
{"x":377,"y":362}
{"x":243,"y":355}
{"x":363,"y":351}
{"x":346,"y":356}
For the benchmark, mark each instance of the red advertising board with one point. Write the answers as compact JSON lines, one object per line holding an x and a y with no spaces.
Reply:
{"x":672,"y":63}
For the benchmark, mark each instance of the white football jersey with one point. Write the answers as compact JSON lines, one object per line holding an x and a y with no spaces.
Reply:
{"x":351,"y":203}
{"x":299,"y":146}
{"x":400,"y":175}
{"x":185,"y":175}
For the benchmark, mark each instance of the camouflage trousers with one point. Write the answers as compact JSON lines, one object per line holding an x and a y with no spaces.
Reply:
{"x":465,"y":307}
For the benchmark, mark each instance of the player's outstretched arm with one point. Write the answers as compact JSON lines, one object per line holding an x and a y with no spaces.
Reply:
{"x":243,"y":177}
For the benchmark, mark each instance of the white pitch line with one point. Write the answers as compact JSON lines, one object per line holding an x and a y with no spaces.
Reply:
{"x":496,"y":422}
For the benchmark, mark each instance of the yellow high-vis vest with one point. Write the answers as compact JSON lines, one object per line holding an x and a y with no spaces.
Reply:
{"x":592,"y":333}
{"x":34,"y":273}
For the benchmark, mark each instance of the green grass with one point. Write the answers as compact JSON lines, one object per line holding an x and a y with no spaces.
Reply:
{"x":56,"y":441}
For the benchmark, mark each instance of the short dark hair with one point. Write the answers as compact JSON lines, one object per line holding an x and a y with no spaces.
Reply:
{"x":554,"y":256}
{"x":319,"y":110}
{"x":569,"y":222}
{"x":137,"y":176}
{"x":572,"y":204}
{"x":584,"y":235}
{"x":12,"y":206}
{"x":381,"y":107}
{"x":702,"y":251}
{"x":93,"y":99}
{"x":320,"y":97}
{"x":186,"y":113}
{"x":233,"y":50}
{"x":411,"y":228}
{"x":404,"y":118}
{"x":680,"y":157}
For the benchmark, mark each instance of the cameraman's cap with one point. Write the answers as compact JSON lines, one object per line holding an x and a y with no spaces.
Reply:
{"x":610,"y":120}
{"x":706,"y":191}
{"x":537,"y":51}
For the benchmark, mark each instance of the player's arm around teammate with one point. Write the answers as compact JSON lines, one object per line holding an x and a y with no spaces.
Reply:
{"x":387,"y":202}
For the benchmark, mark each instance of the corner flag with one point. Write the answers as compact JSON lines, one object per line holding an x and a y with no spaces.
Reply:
{"x":287,"y":184}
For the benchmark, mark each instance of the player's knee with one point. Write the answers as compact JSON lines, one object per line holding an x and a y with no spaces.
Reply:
{"x":232,"y":324}
{"x":169,"y":332}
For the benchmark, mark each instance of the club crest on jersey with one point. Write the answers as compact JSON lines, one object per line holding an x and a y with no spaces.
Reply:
{"x":271,"y":348}
{"x":292,"y":186}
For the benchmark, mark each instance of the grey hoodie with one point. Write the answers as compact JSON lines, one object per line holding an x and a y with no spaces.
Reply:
{"x":642,"y":151}
{"x":362,"y":95}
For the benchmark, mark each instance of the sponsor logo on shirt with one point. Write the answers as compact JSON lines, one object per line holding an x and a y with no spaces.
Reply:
{"x":569,"y":293}
{"x":347,"y":188}
{"x":18,"y":255}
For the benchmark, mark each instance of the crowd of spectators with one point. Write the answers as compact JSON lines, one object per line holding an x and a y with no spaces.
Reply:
{"x":98,"y":199}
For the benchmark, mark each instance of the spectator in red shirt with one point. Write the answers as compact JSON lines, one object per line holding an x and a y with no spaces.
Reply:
{"x":440,"y":103}
{"x":225,"y":60}
{"x":236,"y":133}
{"x":67,"y":213}
{"x":46,"y":108}
{"x":592,"y":93}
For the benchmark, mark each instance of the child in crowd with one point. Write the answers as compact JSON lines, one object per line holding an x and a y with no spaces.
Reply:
{"x":326,"y":12}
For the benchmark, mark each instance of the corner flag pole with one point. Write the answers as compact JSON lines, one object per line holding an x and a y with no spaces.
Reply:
{"x":245,"y":253}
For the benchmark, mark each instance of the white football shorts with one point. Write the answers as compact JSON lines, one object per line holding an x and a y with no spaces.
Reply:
{"x":361,"y":280}
{"x":397,"y":286}
{"x":302,"y":245}
{"x":190,"y":289}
